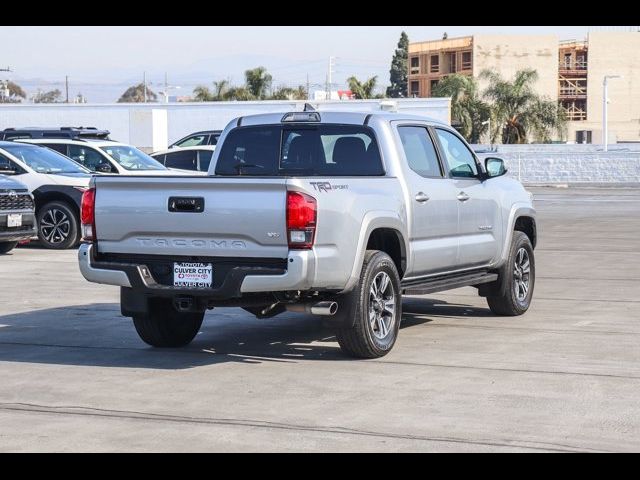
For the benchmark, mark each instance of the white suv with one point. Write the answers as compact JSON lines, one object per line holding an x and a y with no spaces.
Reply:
{"x":105,"y":156}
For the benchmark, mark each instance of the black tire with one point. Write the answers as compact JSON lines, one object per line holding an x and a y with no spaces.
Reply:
{"x":164,"y":327}
{"x":6,"y":247}
{"x":508,"y":302}
{"x":358,"y":337}
{"x":67,"y":234}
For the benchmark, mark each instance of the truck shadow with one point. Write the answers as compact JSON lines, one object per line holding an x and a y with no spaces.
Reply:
{"x":97,"y":335}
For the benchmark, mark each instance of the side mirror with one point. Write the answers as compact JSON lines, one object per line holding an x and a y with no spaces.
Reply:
{"x":104,"y":168}
{"x":494,"y":167}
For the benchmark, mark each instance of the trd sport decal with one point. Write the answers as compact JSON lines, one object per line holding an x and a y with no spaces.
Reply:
{"x":327,"y":187}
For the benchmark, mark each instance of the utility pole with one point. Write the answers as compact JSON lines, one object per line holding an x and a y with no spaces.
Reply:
{"x":144,"y":82}
{"x":330,"y":77}
{"x":66,"y":87}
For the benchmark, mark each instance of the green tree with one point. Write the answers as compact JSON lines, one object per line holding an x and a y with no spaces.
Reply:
{"x":239,"y":93}
{"x":518,"y":112}
{"x":202,"y":94}
{"x":363,"y":90}
{"x":287,"y":93}
{"x":52,"y":96}
{"x":467,"y":108}
{"x":135,"y":94}
{"x":398,"y":73}
{"x":258,"y":82}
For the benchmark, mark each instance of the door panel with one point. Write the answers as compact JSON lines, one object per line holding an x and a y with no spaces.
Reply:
{"x":478,"y":210}
{"x":433,"y":208}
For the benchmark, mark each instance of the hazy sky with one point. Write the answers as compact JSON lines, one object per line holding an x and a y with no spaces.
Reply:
{"x":95,"y":56}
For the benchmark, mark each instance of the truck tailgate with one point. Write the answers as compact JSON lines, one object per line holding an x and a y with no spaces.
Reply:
{"x":237,"y":217}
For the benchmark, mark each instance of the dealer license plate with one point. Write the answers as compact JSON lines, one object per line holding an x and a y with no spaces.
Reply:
{"x":192,"y":275}
{"x":14,"y":220}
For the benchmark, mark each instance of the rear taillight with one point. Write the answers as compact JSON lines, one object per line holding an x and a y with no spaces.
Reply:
{"x":88,"y":215}
{"x":302,"y":214}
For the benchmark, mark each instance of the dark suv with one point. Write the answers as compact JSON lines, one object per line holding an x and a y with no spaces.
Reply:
{"x":62,"y":132}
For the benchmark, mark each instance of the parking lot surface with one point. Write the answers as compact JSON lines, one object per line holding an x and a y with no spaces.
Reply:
{"x":564,"y":377}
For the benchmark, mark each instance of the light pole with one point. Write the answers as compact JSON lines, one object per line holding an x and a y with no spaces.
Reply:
{"x":605,"y":101}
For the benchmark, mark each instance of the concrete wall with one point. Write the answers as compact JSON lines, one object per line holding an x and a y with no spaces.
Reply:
{"x":568,"y":165}
{"x":152,"y":125}
{"x":506,"y":54}
{"x":613,"y":53}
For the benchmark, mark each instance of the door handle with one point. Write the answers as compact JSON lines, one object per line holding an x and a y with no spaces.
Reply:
{"x":463,"y":197}
{"x":421,"y":197}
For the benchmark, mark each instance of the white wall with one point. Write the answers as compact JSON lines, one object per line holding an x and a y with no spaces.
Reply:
{"x":126,"y":121}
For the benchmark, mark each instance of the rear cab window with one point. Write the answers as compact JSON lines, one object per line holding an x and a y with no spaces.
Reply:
{"x":300,"y":150}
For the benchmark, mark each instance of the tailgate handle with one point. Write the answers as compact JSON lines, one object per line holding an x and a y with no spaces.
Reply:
{"x":186,"y":204}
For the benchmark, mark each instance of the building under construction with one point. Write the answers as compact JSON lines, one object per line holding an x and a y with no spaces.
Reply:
{"x":570,"y":72}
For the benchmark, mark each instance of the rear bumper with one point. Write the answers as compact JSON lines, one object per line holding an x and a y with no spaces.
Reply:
{"x":300,"y":267}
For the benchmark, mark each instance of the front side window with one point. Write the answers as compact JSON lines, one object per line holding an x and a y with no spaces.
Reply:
{"x":130,"y":158}
{"x":7,"y":166}
{"x":458,"y":158}
{"x":303,"y":150}
{"x":44,"y":160}
{"x":87,"y":156}
{"x":193,"y":141}
{"x":420,"y":152}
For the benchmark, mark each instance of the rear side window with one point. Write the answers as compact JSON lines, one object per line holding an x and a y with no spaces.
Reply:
{"x":420,"y":152}
{"x":205,"y":159}
{"x":300,"y":150}
{"x":213,"y":139}
{"x":58,"y":147}
{"x":184,"y":160}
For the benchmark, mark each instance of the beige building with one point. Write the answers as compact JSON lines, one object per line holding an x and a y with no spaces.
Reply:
{"x":570,"y":73}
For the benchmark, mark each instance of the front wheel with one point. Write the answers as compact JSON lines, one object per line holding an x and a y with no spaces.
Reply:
{"x":58,"y":226}
{"x":377,"y":309}
{"x":164,"y":327}
{"x":6,"y":247}
{"x":517,"y":279}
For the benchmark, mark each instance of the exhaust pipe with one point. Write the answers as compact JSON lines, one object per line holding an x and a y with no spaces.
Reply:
{"x":326,"y":309}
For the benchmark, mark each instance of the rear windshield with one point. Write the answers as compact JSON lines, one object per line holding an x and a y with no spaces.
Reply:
{"x":302,"y":150}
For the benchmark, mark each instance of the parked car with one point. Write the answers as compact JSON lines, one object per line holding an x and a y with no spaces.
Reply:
{"x":188,"y":158}
{"x":205,"y":137}
{"x":104,"y":156}
{"x":62,"y":132}
{"x":57,"y":184}
{"x":17,"y":214}
{"x":333,"y":214}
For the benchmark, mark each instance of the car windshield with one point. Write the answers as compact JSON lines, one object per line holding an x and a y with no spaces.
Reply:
{"x":131,"y":158}
{"x":44,"y":160}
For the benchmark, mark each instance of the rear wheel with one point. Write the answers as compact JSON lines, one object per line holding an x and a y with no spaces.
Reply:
{"x":518,"y":279}
{"x":6,"y":247}
{"x":163,"y":326}
{"x":58,"y":226}
{"x":376,"y":304}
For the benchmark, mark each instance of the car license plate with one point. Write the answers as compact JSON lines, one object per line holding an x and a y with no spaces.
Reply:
{"x":14,"y":220}
{"x":192,"y":275}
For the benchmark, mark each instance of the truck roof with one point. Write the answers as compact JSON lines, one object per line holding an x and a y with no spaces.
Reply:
{"x":345,"y":117}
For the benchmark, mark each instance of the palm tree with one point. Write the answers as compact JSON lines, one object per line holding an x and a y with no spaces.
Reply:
{"x":202,"y":94}
{"x":136,"y":94}
{"x":466,"y":107}
{"x":239,"y":93}
{"x":362,"y":90}
{"x":258,"y":81}
{"x":519,"y":112}
{"x":287,"y":93}
{"x":221,"y":88}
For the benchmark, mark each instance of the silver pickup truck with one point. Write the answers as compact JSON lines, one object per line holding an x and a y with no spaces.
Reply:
{"x":333,"y":214}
